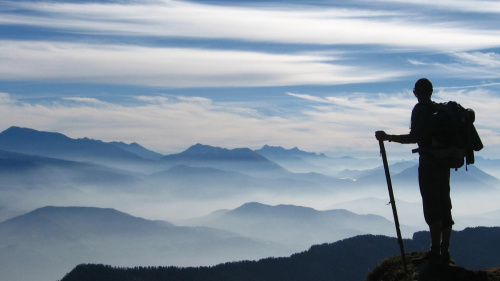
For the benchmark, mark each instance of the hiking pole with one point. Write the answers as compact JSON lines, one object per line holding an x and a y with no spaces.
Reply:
{"x":393,"y":203}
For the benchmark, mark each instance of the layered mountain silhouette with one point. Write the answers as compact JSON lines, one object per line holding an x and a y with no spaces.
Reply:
{"x":239,"y":159}
{"x":32,"y":159}
{"x":138,"y":150}
{"x":404,"y":174}
{"x":279,"y":152}
{"x":300,"y":161}
{"x":44,"y":168}
{"x":73,"y":235}
{"x":56,"y":145}
{"x":208,"y":182}
{"x":352,"y":259}
{"x":267,"y":161}
{"x":47,"y":242}
{"x":295,"y":226}
{"x":24,"y":171}
{"x":491,"y":166}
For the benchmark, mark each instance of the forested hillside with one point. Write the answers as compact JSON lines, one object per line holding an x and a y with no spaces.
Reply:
{"x":347,"y":260}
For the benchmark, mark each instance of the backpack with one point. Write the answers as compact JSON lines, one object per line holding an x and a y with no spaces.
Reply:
{"x":454,"y":137}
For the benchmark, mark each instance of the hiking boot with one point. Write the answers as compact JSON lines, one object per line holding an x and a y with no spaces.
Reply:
{"x":431,"y":258}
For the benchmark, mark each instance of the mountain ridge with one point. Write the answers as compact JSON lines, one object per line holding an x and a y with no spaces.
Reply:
{"x":32,"y":171}
{"x":138,"y":150}
{"x":242,"y":160}
{"x":57,"y":145}
{"x":279,"y":151}
{"x":297,"y":227}
{"x":49,"y":241}
{"x":351,"y":259}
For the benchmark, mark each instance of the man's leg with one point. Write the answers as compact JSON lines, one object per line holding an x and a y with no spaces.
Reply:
{"x":434,"y":254}
{"x":445,"y":244}
{"x":446,"y":232}
{"x":447,"y":217}
{"x":429,"y":189}
{"x":436,"y":230}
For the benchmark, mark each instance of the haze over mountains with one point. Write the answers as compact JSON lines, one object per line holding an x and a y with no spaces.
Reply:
{"x":232,"y":203}
{"x":351,"y":259}
{"x":73,"y":235}
{"x":50,"y":241}
{"x":79,"y":169}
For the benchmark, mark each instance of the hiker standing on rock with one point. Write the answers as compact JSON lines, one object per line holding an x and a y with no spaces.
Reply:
{"x":433,"y":178}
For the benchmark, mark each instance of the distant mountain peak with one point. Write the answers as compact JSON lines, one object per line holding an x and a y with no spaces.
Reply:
{"x":279,"y":151}
{"x":82,"y":220}
{"x":20,"y":132}
{"x":138,"y":150}
{"x":203,"y":152}
{"x":205,"y":149}
{"x":55,"y":211}
{"x":243,"y":160}
{"x":57,"y":145}
{"x":280,"y":210}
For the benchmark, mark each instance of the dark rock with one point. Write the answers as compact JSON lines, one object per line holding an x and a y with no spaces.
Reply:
{"x":393,"y":269}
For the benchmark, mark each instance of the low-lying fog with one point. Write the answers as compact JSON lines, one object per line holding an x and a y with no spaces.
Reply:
{"x":226,"y":210}
{"x":186,"y":194}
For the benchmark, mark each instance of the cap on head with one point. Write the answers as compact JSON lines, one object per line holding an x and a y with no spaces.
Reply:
{"x":423,"y":88}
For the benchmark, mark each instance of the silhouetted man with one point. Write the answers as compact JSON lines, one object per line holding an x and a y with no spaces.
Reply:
{"x":434,"y":179}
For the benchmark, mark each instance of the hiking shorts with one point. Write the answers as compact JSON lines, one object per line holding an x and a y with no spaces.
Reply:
{"x":434,"y":182}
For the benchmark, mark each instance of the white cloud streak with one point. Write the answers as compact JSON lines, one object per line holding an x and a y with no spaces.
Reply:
{"x":489,"y":59}
{"x":85,"y":100}
{"x":200,"y":67}
{"x":352,"y":120}
{"x":468,"y":65}
{"x":174,"y":67}
{"x":318,"y":124}
{"x":477,"y":6}
{"x":288,"y":24}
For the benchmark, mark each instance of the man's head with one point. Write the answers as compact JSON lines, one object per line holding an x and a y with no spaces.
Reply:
{"x":423,"y":88}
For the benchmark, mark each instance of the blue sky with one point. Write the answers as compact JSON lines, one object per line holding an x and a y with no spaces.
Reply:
{"x":319,"y":75}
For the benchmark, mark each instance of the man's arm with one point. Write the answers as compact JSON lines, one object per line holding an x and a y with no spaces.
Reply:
{"x":383,"y":136}
{"x":418,"y":119}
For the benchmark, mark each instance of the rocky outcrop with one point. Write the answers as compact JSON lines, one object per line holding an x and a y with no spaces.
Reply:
{"x":393,"y":269}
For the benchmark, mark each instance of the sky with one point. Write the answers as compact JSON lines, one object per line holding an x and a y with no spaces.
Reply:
{"x":319,"y":75}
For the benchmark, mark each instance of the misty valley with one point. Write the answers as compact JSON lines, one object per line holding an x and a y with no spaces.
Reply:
{"x":65,"y":202}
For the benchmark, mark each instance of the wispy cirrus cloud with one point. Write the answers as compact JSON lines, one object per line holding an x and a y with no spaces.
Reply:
{"x":196,"y":65}
{"x":187,"y":47}
{"x":278,"y":24}
{"x":173,"y":123}
{"x":85,"y":100}
{"x":477,"y":6}
{"x":354,"y":118}
{"x":468,"y":65}
{"x":487,"y":59}
{"x":174,"y":67}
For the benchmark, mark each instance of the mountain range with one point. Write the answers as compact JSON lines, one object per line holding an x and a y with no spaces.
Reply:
{"x":56,"y":145}
{"x":76,"y":169}
{"x":30,"y":171}
{"x":295,"y":226}
{"x":267,"y":161}
{"x":238,"y":159}
{"x":119,"y":154}
{"x":210,"y":193}
{"x":52,"y":240}
{"x":351,"y":259}
{"x":49,"y":241}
